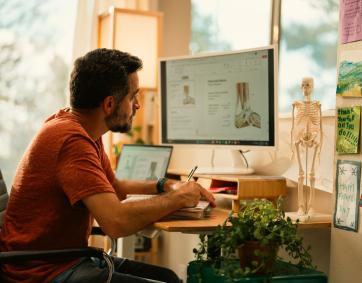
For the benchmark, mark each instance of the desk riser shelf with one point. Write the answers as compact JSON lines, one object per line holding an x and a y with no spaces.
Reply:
{"x":247,"y":187}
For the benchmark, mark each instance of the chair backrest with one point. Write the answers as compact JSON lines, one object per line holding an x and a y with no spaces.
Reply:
{"x":3,"y":199}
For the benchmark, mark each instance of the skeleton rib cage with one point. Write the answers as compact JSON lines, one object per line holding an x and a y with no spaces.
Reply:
{"x":307,"y":121}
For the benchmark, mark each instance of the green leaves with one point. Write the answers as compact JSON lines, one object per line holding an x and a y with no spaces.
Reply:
{"x":258,"y":220}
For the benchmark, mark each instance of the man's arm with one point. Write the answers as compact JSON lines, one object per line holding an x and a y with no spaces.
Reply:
{"x":124,"y":187}
{"x":122,"y":219}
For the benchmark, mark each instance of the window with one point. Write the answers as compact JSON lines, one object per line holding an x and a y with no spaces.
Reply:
{"x":308,"y":48}
{"x":36,"y":40}
{"x":220,"y":25}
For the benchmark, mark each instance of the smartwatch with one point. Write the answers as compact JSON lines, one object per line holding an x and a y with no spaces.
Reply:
{"x":160,"y":185}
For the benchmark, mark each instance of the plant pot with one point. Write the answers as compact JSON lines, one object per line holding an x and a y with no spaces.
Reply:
{"x":266,"y":255}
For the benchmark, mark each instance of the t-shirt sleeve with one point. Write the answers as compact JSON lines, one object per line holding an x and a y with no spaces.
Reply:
{"x":80,"y":171}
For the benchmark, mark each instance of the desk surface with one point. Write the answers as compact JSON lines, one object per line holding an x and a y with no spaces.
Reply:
{"x":217,"y":217}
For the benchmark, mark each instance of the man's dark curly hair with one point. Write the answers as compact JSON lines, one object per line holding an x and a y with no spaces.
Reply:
{"x":101,"y":73}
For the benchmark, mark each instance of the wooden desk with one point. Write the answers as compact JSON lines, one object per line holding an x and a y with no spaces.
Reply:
{"x":217,"y":217}
{"x":248,"y":187}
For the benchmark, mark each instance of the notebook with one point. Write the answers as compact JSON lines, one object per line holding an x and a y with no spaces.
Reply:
{"x":143,"y":162}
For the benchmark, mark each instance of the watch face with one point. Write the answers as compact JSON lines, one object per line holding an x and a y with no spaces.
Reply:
{"x":161,"y":185}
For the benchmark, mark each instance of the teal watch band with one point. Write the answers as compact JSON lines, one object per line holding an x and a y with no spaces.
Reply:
{"x":160,"y":185}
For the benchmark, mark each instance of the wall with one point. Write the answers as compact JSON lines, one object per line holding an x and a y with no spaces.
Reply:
{"x":176,"y":29}
{"x":176,"y":248}
{"x":346,"y":247}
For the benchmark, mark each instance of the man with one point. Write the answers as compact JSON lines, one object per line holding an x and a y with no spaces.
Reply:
{"x":64,"y":180}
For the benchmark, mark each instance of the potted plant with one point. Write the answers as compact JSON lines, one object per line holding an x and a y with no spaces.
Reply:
{"x":254,"y":234}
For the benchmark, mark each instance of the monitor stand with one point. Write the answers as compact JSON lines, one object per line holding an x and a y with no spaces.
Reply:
{"x":228,"y":162}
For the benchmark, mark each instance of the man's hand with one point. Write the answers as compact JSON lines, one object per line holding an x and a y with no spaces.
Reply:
{"x":171,"y":185}
{"x":191,"y":193}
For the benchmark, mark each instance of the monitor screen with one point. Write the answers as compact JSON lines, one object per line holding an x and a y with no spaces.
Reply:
{"x":226,"y":99}
{"x":143,"y":162}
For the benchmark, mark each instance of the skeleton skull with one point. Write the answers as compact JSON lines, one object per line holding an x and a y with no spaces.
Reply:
{"x":307,"y":86}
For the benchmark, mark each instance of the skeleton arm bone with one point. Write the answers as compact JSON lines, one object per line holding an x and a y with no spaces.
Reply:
{"x":321,"y":132}
{"x":291,"y":133}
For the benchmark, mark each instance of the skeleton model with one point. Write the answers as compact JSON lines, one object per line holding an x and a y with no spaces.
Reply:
{"x":244,"y":116}
{"x":307,"y":133}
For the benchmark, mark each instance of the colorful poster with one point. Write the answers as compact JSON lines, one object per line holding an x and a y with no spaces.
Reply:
{"x":348,"y":129}
{"x":347,"y":194}
{"x":351,"y":20}
{"x":349,"y":74}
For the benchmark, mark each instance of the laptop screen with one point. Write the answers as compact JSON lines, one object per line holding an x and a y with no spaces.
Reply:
{"x":143,"y":162}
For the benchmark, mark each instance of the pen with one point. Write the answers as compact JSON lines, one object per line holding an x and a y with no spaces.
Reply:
{"x":191,"y":173}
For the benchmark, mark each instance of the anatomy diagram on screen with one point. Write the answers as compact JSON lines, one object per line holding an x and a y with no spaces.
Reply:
{"x":128,"y":168}
{"x":152,"y":171}
{"x":306,"y":133}
{"x":244,"y":115}
{"x":187,"y":99}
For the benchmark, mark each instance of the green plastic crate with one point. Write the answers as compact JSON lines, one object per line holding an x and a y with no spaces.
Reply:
{"x":283,"y":273}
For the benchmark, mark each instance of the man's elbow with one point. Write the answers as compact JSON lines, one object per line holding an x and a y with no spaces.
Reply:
{"x":115,"y":234}
{"x":118,"y":229}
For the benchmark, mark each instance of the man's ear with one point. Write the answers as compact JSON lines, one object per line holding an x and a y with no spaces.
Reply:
{"x":108,"y":104}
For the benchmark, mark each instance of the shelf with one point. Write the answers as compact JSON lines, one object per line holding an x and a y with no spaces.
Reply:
{"x":314,"y":225}
{"x":315,"y":221}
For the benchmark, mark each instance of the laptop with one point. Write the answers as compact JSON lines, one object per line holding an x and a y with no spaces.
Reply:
{"x":143,"y":162}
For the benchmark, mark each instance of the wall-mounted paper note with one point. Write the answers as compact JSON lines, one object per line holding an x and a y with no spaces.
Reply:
{"x":351,"y":20}
{"x":349,"y":73}
{"x":348,"y":129}
{"x":347,"y":194}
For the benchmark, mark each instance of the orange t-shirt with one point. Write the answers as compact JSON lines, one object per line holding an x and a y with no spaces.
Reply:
{"x":62,"y":166}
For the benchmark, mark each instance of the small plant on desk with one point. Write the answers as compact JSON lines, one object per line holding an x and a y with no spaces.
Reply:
{"x":255,"y":233}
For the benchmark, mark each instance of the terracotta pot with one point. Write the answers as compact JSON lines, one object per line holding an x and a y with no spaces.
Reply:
{"x":267,"y":253}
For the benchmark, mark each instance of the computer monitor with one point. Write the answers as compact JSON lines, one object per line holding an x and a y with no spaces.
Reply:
{"x":143,"y":162}
{"x":220,"y":100}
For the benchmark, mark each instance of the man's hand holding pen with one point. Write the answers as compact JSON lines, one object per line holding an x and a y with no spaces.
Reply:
{"x":192,"y":172}
{"x":191,"y":192}
{"x":171,"y":185}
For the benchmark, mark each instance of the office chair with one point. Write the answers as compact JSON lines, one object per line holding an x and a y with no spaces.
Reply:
{"x":50,"y":255}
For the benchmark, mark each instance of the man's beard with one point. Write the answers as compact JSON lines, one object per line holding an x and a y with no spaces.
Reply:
{"x":113,"y":122}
